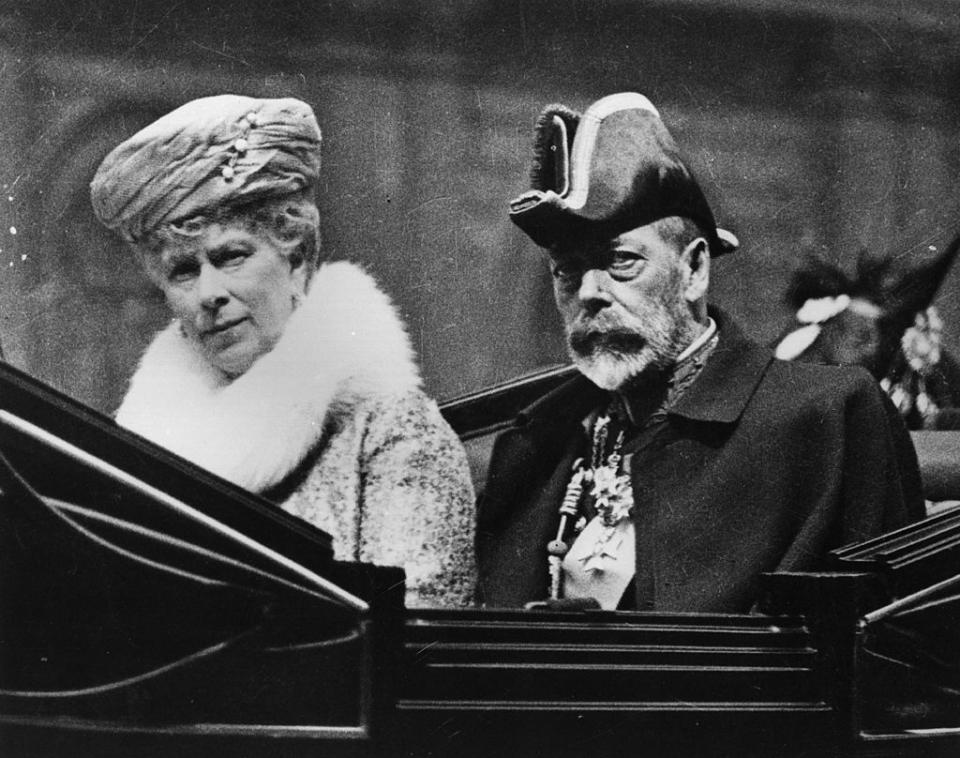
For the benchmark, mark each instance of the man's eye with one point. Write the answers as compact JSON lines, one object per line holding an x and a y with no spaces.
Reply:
{"x":565,"y":273}
{"x":624,"y":262}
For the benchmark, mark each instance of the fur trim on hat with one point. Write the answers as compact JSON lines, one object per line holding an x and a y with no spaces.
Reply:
{"x":345,"y":342}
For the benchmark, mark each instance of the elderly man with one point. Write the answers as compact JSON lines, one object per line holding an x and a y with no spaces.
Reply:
{"x":685,"y":461}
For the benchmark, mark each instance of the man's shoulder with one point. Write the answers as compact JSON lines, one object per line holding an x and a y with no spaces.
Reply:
{"x":792,"y":385}
{"x":819,"y":378}
{"x":742,"y":377}
{"x":797,"y":376}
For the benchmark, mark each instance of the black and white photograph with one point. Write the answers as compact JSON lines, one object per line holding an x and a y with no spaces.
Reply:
{"x":428,"y":379}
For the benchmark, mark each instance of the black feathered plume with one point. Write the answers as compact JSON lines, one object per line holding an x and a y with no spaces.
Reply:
{"x":816,"y":278}
{"x":905,"y":286}
{"x":553,"y":137}
{"x":901,"y":286}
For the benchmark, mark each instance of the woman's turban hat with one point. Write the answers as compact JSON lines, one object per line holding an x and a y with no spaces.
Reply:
{"x":609,"y":170}
{"x":215,"y":151}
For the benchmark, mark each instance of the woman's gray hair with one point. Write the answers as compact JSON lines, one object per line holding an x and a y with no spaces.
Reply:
{"x":292,"y":222}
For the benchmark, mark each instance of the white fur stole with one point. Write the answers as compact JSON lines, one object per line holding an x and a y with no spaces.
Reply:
{"x":344,"y":342}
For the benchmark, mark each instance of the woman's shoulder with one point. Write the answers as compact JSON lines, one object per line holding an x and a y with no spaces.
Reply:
{"x":408,"y":410}
{"x":402,"y":426}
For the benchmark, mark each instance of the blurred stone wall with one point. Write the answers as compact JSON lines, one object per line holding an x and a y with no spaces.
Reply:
{"x":813,"y":126}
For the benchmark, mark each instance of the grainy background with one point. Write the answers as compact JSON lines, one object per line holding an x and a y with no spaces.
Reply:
{"x":812,"y":125}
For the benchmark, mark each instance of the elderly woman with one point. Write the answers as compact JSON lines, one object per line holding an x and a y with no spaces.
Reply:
{"x":292,"y":378}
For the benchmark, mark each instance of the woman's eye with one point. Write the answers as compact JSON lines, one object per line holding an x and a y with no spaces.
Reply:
{"x":182,"y":274}
{"x":232,"y":258}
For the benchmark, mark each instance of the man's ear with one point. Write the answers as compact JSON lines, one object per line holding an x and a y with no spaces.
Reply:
{"x":696,"y":260}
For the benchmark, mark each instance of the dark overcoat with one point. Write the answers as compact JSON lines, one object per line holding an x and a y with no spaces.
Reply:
{"x":764,"y":465}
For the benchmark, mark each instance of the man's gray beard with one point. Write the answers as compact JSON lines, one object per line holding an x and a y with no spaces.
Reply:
{"x":611,"y":371}
{"x":613,"y":350}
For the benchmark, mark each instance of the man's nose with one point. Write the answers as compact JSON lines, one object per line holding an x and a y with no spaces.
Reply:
{"x":211,"y":288}
{"x":593,"y":289}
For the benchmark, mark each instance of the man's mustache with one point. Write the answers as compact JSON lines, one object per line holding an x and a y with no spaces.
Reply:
{"x":588,"y":339}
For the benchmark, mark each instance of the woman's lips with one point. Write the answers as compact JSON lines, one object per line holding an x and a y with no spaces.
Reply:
{"x":222,"y":327}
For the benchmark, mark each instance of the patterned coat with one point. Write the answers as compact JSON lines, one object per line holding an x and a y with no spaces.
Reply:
{"x":332,"y":424}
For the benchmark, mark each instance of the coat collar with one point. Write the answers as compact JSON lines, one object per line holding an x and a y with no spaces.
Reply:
{"x":729,"y":378}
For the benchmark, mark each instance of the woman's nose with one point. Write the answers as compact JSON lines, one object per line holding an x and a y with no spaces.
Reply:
{"x":211,"y":288}
{"x":593,"y":288}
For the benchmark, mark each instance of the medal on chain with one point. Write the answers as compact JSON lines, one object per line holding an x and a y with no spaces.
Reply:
{"x":612,"y":496}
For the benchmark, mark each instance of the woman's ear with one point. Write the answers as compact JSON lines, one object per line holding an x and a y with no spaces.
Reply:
{"x":150,"y":264}
{"x":299,"y":269}
{"x":696,"y":260}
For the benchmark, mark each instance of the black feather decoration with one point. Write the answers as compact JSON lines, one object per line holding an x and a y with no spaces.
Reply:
{"x":550,"y":148}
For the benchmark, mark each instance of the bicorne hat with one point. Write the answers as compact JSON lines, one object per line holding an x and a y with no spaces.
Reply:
{"x":610,"y":170}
